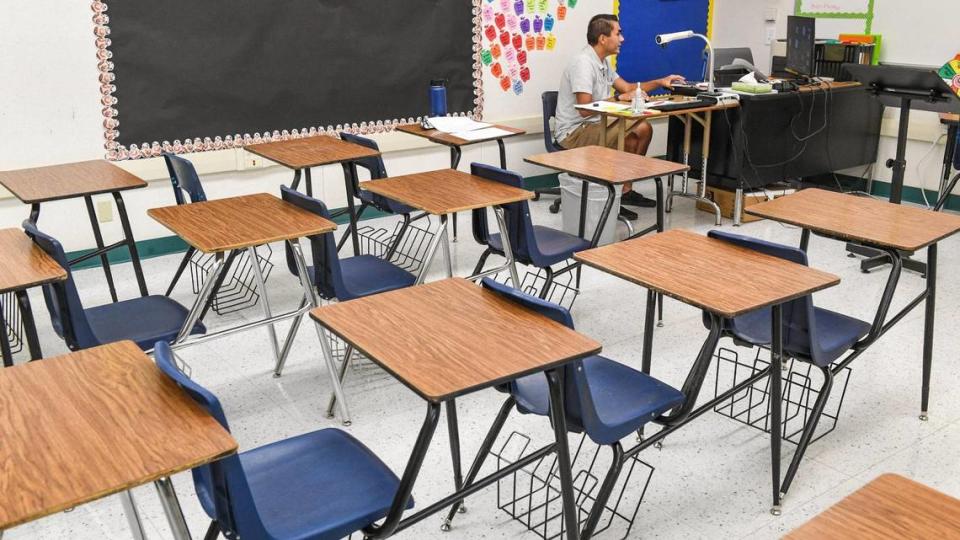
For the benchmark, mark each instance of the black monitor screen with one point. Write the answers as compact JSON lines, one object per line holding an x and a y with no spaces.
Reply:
{"x":800,"y":44}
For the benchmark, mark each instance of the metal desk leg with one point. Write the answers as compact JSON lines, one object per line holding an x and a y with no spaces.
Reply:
{"x":5,"y":342}
{"x":29,"y":325}
{"x":707,"y":122}
{"x":455,"y":154}
{"x":647,"y":353}
{"x":306,"y":173}
{"x":559,"y":421}
{"x":686,"y":151}
{"x":209,"y":288}
{"x":131,"y":243}
{"x":264,"y":300}
{"x":584,"y":190}
{"x":928,"y":320}
{"x":171,"y":507}
{"x":410,"y":473}
{"x":104,"y":261}
{"x":447,"y":260}
{"x":296,"y":180}
{"x":604,"y":215}
{"x":507,"y":245}
{"x":454,"y":431}
{"x":351,"y":180}
{"x":737,"y":206}
{"x":439,"y":233}
{"x":133,"y":515}
{"x":503,"y":154}
{"x":776,"y":354}
{"x":603,"y":132}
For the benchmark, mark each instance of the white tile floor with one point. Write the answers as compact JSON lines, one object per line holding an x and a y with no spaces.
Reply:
{"x":712,"y":477}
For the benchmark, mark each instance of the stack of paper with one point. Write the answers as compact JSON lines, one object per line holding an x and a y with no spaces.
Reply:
{"x":467,"y":129}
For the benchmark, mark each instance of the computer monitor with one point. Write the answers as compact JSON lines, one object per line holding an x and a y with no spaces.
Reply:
{"x":801,"y":33}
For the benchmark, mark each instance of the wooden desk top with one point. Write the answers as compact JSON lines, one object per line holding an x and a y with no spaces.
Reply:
{"x":447,"y":139}
{"x":890,"y":506}
{"x":451,"y":337}
{"x":310,"y":151}
{"x":87,"y":424}
{"x":606,"y":165}
{"x":653,"y":113}
{"x":23,"y":264}
{"x":446,"y":191}
{"x":860,"y":219}
{"x":949,"y":118}
{"x":707,"y":273}
{"x":239,"y":222}
{"x":69,"y":180}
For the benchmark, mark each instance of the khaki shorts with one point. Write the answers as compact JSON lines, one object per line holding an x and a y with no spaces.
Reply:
{"x":588,"y":134}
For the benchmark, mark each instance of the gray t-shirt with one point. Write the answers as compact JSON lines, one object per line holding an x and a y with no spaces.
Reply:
{"x":585,"y":73}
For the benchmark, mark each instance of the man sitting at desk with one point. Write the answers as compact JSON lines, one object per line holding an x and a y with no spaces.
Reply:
{"x":588,"y":78}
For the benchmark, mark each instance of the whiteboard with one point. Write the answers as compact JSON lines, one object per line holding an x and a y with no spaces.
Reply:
{"x":835,"y":7}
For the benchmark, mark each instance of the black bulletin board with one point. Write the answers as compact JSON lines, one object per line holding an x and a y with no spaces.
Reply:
{"x":208,"y":68}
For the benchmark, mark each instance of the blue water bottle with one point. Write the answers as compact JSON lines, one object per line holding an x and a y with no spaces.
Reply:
{"x":438,"y":97}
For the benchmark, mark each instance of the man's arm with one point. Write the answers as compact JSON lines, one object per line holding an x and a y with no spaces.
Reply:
{"x":627,"y":89}
{"x":584,"y":98}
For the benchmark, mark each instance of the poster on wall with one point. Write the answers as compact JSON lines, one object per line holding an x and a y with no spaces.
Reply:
{"x":513,"y":31}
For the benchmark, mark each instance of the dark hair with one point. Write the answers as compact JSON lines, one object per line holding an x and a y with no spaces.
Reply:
{"x":600,"y":25}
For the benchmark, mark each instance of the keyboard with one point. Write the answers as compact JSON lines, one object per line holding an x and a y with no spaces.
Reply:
{"x":681,"y":105}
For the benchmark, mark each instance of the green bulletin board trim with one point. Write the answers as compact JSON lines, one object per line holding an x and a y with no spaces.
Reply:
{"x":866,"y":17}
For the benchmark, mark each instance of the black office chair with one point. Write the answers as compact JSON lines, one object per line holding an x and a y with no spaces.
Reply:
{"x":549,"y":100}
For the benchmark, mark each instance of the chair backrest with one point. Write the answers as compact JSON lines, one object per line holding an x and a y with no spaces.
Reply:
{"x":223,"y":481}
{"x":956,"y":152}
{"x":67,"y":315}
{"x":519,"y":224}
{"x":549,"y":101}
{"x":580,"y":411}
{"x":326,"y":263}
{"x":373,"y":165}
{"x":799,"y":328}
{"x":184,"y":178}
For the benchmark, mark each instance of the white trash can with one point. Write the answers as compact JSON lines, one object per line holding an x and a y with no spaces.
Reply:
{"x":570,"y":191}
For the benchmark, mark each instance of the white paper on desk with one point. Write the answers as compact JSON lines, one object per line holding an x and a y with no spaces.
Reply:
{"x":455,"y":124}
{"x":605,"y":106}
{"x":480,"y":134}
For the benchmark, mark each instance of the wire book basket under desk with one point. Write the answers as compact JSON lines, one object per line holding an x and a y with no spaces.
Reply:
{"x":238,"y":290}
{"x":410,"y":252}
{"x":12,"y":323}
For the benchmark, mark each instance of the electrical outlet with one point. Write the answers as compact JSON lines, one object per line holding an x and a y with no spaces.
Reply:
{"x":771,"y":34}
{"x":249,"y":160}
{"x":105,"y":211}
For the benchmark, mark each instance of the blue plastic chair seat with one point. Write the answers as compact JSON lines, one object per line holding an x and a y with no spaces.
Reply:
{"x":554,"y":245}
{"x":384,"y":203}
{"x":624,"y":398}
{"x":836,"y":332}
{"x":364,"y":275}
{"x":145,"y":320}
{"x":324,"y":484}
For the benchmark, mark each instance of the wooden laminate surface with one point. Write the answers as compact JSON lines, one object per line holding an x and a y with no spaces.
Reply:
{"x":239,"y":222}
{"x":860,"y":219}
{"x":69,"y":180}
{"x":606,"y":165}
{"x":446,"y":191}
{"x":707,"y":273}
{"x":447,"y":139}
{"x":91,"y":423}
{"x":949,"y":118}
{"x":311,"y":151}
{"x":452,"y":337}
{"x":23,"y":264}
{"x":653,"y":113}
{"x":889,"y":507}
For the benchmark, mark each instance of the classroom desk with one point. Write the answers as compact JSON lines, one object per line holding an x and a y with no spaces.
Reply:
{"x":84,"y":425}
{"x":609,"y":168}
{"x":683,"y":265}
{"x":889,"y":228}
{"x":456,"y":145}
{"x":83,"y":179}
{"x":700,"y":115}
{"x":890,"y":506}
{"x":448,"y":191}
{"x":447,"y":339}
{"x":302,"y":155}
{"x":23,"y":265}
{"x":238,"y":223}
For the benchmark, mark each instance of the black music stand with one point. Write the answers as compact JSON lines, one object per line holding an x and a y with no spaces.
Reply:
{"x":906,"y":87}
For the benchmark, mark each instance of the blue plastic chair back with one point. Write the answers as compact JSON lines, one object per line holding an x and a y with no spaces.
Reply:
{"x":373,"y":165}
{"x":799,"y":328}
{"x":523,"y":241}
{"x":184,"y":178}
{"x":326,"y":263}
{"x":956,"y":152}
{"x":223,"y":481}
{"x":62,"y":299}
{"x":580,"y":411}
{"x":549,"y":101}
